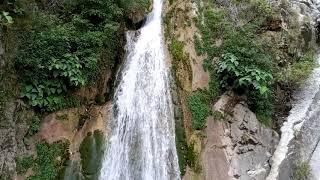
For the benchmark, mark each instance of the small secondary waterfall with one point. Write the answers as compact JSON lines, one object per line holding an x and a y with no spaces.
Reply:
{"x":141,"y":143}
{"x":301,"y":112}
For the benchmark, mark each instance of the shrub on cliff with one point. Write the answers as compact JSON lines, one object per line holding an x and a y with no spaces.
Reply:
{"x":199,"y":105}
{"x":62,"y":50}
{"x":236,"y":59}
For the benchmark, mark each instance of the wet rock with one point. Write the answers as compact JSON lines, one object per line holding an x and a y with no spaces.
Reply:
{"x":239,"y":148}
{"x":255,"y":148}
{"x":303,"y":147}
{"x":91,"y":152}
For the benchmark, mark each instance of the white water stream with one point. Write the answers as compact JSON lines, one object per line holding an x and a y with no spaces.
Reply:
{"x":141,"y":143}
{"x":298,"y":114}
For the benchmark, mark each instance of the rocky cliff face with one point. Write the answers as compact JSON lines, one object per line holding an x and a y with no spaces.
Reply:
{"x":11,"y":128}
{"x":237,"y":146}
{"x":234,"y":144}
{"x":303,"y":146}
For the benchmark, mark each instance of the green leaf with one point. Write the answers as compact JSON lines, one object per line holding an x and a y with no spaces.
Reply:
{"x":263,"y":89}
{"x":28,"y":88}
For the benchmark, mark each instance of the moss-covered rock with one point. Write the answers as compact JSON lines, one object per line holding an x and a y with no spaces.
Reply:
{"x":91,"y":151}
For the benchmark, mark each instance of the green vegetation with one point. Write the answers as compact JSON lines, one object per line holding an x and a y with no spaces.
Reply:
{"x":186,"y":155}
{"x":237,"y":58}
{"x":131,"y":6}
{"x":64,"y":46}
{"x":299,"y":70}
{"x":49,"y":163}
{"x":62,"y":50}
{"x":200,"y":101}
{"x":177,"y":52}
{"x":301,"y":171}
{"x":24,"y":163}
{"x":91,"y":151}
{"x":234,"y":74}
{"x":5,"y":19}
{"x":181,"y":140}
{"x":34,"y":126}
{"x":180,"y":63}
{"x":193,"y":159}
{"x":199,"y":105}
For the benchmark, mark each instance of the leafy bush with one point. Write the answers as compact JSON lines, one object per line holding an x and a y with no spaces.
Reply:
{"x":240,"y":62}
{"x":5,"y":19}
{"x":199,"y":105}
{"x":234,"y":73}
{"x":63,"y":51}
{"x":176,"y":50}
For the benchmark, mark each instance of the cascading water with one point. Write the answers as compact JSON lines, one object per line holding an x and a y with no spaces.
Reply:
{"x":142,"y":141}
{"x":302,"y":111}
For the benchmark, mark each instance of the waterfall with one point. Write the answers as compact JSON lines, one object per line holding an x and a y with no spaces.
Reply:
{"x":141,"y":143}
{"x":302,"y":110}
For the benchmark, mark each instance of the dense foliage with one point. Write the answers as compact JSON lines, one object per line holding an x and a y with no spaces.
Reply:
{"x":239,"y":59}
{"x":62,"y":50}
{"x":245,"y":77}
{"x":236,"y":58}
{"x":199,"y":104}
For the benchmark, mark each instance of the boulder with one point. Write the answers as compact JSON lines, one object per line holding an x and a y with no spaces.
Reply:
{"x":239,"y":147}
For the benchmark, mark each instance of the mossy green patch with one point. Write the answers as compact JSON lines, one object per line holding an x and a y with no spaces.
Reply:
{"x":24,"y":163}
{"x":299,"y":70}
{"x":193,"y":159}
{"x":50,"y":161}
{"x":91,"y":151}
{"x":302,"y":171}
{"x":199,"y":105}
{"x":181,"y":143}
